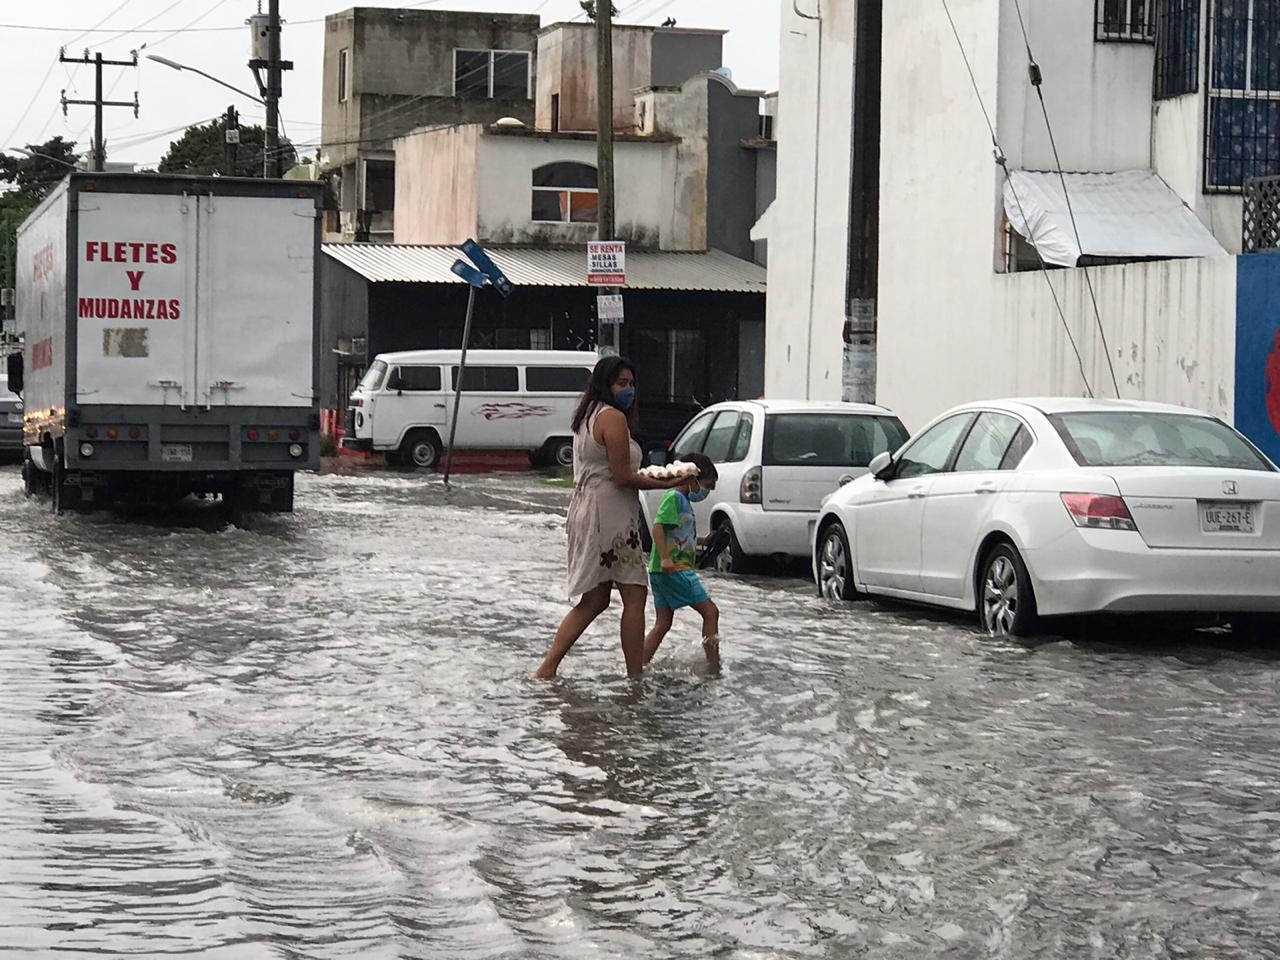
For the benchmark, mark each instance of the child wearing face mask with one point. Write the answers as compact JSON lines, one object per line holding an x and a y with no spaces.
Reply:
{"x":672,"y":574}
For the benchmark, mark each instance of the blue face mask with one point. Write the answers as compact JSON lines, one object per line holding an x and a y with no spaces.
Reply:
{"x":625,"y":398}
{"x":699,"y":496}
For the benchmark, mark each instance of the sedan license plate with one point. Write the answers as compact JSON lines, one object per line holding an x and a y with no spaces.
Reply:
{"x":176,"y":453}
{"x":1227,"y":517}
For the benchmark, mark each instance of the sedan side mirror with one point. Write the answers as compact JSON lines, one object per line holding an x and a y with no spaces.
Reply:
{"x":881,"y":466}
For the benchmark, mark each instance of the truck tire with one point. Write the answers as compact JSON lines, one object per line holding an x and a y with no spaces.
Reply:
{"x":65,"y":496}
{"x":421,"y":450}
{"x":29,"y":472}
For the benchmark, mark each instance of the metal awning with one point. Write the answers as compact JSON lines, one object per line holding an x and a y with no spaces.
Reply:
{"x":1125,"y":215}
{"x":713,"y":271}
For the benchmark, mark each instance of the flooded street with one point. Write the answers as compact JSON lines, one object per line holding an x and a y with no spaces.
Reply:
{"x":314,"y":736}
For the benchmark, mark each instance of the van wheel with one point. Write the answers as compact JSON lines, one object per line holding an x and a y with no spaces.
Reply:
{"x":420,"y":451}
{"x":733,"y":559}
{"x":561,"y":453}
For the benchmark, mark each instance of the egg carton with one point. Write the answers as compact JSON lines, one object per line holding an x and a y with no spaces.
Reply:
{"x":671,"y":471}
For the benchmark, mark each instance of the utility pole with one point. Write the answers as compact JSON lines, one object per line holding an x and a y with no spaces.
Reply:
{"x":231,"y":142}
{"x":271,"y":90}
{"x":608,"y":334}
{"x":99,"y":162}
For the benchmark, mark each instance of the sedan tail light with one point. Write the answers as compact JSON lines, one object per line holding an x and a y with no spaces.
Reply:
{"x":1099,"y":511}
{"x":752,"y":489}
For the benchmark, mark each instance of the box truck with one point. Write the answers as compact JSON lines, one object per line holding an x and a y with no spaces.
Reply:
{"x":170,"y":339}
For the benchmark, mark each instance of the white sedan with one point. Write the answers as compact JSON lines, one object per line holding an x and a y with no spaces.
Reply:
{"x":1025,"y":508}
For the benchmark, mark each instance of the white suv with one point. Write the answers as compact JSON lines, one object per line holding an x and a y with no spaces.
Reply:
{"x":777,"y":460}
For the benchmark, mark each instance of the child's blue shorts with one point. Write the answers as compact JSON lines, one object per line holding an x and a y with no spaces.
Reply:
{"x":671,"y":591}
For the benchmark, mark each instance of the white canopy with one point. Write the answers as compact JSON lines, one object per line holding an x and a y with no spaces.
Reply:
{"x":1129,"y":214}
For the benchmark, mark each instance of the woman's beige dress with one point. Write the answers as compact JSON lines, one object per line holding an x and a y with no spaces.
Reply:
{"x":604,"y":537}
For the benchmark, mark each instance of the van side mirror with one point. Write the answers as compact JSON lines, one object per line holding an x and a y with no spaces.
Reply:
{"x":14,"y":372}
{"x":881,"y":466}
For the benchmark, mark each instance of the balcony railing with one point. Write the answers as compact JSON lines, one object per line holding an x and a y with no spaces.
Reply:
{"x":1261,"y":227}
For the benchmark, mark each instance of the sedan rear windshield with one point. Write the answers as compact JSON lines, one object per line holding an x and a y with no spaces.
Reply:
{"x":1142,"y":439}
{"x":829,"y":439}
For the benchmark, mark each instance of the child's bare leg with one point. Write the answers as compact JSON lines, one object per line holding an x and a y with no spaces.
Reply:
{"x":661,"y":626}
{"x":710,"y":628}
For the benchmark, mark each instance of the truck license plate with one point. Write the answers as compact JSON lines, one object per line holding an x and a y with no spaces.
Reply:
{"x":1227,"y":517}
{"x":15,"y":418}
{"x":175,"y":452}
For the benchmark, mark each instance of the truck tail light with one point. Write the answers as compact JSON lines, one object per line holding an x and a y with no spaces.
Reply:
{"x":1098,"y":511}
{"x":91,"y":433}
{"x":112,"y":433}
{"x":295,"y":435}
{"x":135,"y":433}
{"x":752,"y":490}
{"x":252,"y":435}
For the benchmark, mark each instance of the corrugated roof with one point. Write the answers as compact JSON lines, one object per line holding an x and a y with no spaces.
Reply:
{"x":540,"y":267}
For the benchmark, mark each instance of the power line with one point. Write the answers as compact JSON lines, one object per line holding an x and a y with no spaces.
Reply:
{"x":1036,"y":80}
{"x":189,"y":26}
{"x":1002,"y":162}
{"x":36,"y":96}
{"x":94,"y":28}
{"x":138,"y":28}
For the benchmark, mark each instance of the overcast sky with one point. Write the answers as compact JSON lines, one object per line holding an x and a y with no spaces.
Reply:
{"x":210,"y":34}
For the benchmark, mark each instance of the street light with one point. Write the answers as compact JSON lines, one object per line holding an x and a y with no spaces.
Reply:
{"x":42,"y":156}
{"x":208,"y":76}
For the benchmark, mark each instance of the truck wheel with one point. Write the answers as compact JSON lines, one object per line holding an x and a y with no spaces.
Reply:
{"x":28,"y":476}
{"x":61,"y":500}
{"x":420,"y":451}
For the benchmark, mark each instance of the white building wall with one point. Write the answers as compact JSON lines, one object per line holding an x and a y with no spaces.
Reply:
{"x":951,"y":328}
{"x":1098,"y":94}
{"x":809,"y":239}
{"x":505,"y":173}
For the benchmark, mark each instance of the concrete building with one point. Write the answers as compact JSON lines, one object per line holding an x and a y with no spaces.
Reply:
{"x":388,"y":71}
{"x":642,"y":57}
{"x":1160,"y":113}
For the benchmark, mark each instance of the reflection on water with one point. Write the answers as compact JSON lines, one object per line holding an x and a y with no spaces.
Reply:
{"x":313,"y":736}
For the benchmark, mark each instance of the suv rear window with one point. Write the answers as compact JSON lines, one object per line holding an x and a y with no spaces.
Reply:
{"x":829,"y":439}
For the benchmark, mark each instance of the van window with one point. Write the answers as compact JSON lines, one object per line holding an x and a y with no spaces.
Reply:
{"x":742,"y":446}
{"x":422,"y":379}
{"x":373,"y":378}
{"x":489,"y":380}
{"x":691,"y":440}
{"x":829,"y":439}
{"x":556,"y":379}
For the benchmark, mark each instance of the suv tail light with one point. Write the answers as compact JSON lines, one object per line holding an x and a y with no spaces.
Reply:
{"x":1099,"y":511}
{"x":752,"y":490}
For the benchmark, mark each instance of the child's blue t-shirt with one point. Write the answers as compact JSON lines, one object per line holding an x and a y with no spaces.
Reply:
{"x":676,"y":515}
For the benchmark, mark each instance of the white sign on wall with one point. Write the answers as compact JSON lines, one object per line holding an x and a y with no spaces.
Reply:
{"x":606,"y":263}
{"x":609,"y":308}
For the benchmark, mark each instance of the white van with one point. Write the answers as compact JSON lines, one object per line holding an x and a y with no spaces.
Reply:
{"x":511,"y":400}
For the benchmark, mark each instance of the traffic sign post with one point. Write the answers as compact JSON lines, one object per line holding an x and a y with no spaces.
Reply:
{"x":484,"y":273}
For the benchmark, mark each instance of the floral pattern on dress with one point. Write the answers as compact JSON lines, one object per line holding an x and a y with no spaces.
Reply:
{"x":624,"y":552}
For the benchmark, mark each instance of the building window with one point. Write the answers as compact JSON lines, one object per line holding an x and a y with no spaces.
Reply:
{"x":565,"y":193}
{"x":492,"y":74}
{"x":1177,"y":48}
{"x":1242,"y":137}
{"x":344,"y":75}
{"x":1129,"y":21}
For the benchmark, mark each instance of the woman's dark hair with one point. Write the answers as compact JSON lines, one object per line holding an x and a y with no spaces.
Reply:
{"x":599,"y":390}
{"x":706,"y":469}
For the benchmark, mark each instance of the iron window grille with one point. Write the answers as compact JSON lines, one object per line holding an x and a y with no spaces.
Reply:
{"x":492,"y":74}
{"x":1242,"y":110}
{"x":1124,"y":21}
{"x":1177,"y":48}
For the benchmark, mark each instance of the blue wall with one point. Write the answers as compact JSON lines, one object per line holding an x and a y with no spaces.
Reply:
{"x":1258,"y":350}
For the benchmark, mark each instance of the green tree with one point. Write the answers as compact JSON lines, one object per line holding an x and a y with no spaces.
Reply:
{"x":589,"y":8}
{"x":27,"y":179}
{"x":201,"y":150}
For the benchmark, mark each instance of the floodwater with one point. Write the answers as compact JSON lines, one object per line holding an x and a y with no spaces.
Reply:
{"x":314,"y":736}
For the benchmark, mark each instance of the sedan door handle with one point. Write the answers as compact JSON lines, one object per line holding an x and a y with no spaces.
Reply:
{"x":985,"y":488}
{"x":440,"y":406}
{"x":916,"y":494}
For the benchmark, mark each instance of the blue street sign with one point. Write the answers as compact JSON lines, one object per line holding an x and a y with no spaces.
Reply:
{"x":488,"y":267}
{"x":469,"y":273}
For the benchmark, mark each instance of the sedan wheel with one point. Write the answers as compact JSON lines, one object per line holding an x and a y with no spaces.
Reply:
{"x":1006,"y":605}
{"x":834,"y":569}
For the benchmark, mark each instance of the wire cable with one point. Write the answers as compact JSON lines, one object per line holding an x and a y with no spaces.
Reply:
{"x":1036,"y":80}
{"x":1002,"y":162}
{"x":94,"y":28}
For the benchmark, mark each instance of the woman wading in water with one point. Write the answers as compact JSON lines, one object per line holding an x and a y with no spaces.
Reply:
{"x":604,"y":538}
